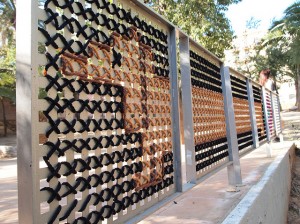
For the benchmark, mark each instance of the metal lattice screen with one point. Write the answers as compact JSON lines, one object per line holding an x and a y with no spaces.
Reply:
{"x":104,"y":113}
{"x":242,"y":112}
{"x":210,"y":139}
{"x":270,"y":115}
{"x":276,"y":109}
{"x":259,"y":113}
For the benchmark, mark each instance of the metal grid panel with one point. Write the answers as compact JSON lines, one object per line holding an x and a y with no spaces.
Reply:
{"x":104,"y":112}
{"x":260,"y":118}
{"x":241,"y":112}
{"x":211,"y":149}
{"x":270,"y":116}
{"x":276,"y":109}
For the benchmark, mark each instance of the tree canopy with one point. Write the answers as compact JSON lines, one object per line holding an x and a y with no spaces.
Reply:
{"x":204,"y":21}
{"x":282,"y":46}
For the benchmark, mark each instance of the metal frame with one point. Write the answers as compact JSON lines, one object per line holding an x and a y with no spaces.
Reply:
{"x":234,"y":168}
{"x":187,"y":109}
{"x":27,"y":138}
{"x":175,"y":111}
{"x":252,"y":114}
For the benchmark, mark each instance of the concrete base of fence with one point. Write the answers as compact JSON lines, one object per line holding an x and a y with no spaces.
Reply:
{"x":268,"y":150}
{"x":267,"y":201}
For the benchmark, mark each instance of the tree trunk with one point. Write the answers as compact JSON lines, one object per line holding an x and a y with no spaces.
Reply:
{"x":297,"y":85}
{"x":4,"y":117}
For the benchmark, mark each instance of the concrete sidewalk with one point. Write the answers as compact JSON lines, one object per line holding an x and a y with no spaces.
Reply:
{"x":8,"y":191}
{"x":8,"y":146}
{"x":210,"y":201}
{"x":207,"y":202}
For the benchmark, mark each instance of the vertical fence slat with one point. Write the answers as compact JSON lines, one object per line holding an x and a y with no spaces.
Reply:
{"x":252,"y":114}
{"x":187,"y":109}
{"x":176,"y":113}
{"x":234,"y":169}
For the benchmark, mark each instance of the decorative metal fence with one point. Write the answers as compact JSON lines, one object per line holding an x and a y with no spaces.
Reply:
{"x":276,"y":112}
{"x":97,"y":89}
{"x":208,"y":112}
{"x":269,"y":113}
{"x":259,"y":112}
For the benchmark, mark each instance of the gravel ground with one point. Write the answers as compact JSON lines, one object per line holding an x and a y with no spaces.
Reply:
{"x":294,"y":206}
{"x":292,"y":133}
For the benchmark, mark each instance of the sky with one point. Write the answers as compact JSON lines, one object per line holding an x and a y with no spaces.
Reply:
{"x":264,"y":10}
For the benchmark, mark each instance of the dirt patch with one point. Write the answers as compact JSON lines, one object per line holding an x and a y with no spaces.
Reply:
{"x":294,"y":205}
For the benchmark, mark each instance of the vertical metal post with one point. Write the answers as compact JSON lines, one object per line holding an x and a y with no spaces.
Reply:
{"x":27,"y":141}
{"x":252,"y":113}
{"x":234,"y":169}
{"x":265,"y":107}
{"x":187,"y":109}
{"x":175,"y":111}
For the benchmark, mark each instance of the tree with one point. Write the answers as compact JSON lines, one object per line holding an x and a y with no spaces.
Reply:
{"x":204,"y":21}
{"x":7,"y":20}
{"x":7,"y":55}
{"x":283,"y":43}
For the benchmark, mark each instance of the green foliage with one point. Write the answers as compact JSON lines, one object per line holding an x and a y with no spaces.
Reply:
{"x":283,"y":43}
{"x":8,"y":49}
{"x":8,"y":72}
{"x":7,"y":21}
{"x":204,"y":20}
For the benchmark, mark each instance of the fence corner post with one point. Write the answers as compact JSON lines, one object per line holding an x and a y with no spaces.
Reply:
{"x":252,"y":114}
{"x":234,"y":168}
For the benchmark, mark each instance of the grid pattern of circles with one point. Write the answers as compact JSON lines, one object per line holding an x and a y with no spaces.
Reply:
{"x":241,"y":112}
{"x":259,"y":113}
{"x":106,"y":134}
{"x":208,"y":113}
